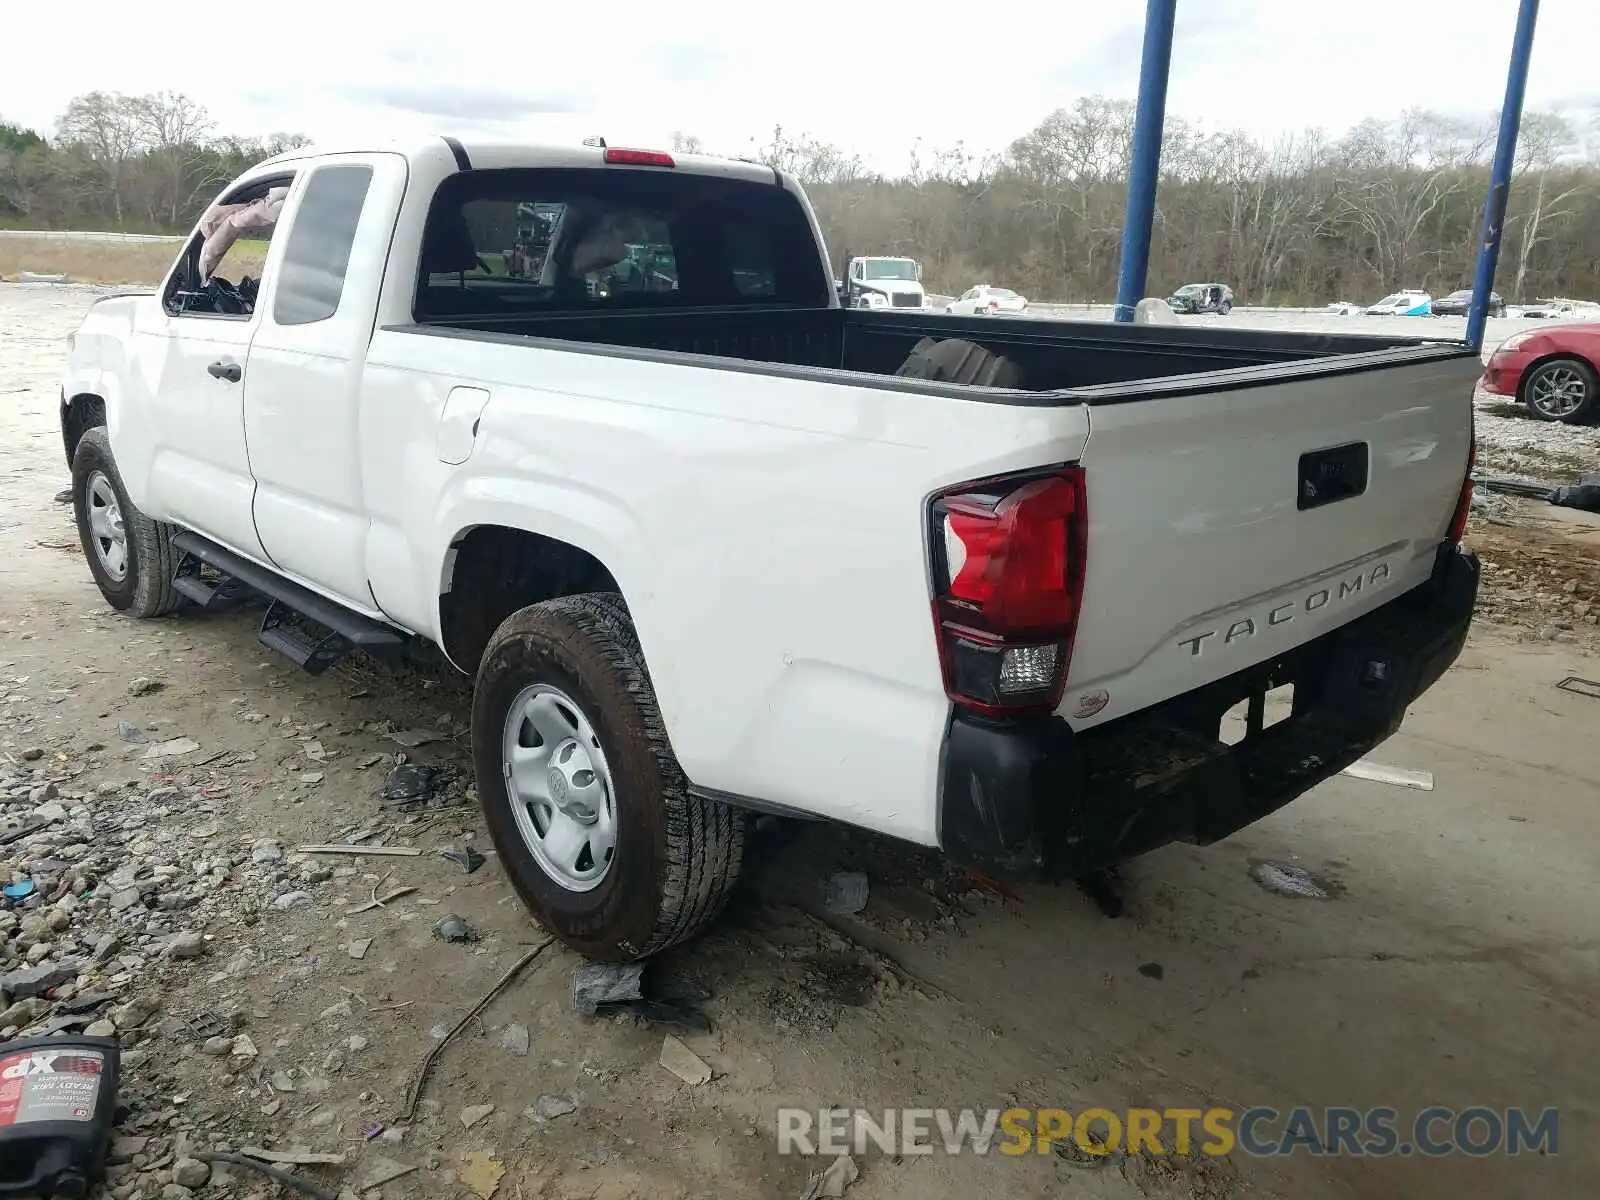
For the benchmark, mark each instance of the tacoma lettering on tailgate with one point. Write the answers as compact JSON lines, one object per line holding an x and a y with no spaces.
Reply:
{"x":1334,"y":593}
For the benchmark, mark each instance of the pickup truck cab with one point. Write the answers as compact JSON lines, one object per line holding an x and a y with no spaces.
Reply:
{"x":711,"y":543}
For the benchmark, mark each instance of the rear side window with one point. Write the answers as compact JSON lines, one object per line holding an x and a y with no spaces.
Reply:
{"x":575,"y":240}
{"x":318,"y":253}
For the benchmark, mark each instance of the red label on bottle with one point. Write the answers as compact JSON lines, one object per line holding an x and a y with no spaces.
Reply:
{"x":50,"y":1085}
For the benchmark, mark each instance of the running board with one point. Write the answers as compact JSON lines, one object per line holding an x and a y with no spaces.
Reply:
{"x":309,"y":629}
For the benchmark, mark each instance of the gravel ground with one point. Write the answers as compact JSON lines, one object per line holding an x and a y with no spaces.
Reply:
{"x":168,"y":773}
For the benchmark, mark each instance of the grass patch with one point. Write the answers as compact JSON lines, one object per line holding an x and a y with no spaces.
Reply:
{"x":144,"y":263}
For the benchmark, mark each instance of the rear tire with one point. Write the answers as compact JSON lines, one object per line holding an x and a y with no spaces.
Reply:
{"x":130,"y":556}
{"x":673,"y":858}
{"x":955,"y":360}
{"x":1561,"y":389}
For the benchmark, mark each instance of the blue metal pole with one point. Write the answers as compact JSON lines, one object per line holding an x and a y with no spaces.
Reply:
{"x":1505,"y":153}
{"x":1145,"y":168}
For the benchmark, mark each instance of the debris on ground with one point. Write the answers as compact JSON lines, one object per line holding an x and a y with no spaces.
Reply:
{"x":548,"y":1108}
{"x":383,"y":1171}
{"x":684,"y":1062}
{"x":412,"y":738}
{"x":1422,"y":781}
{"x":831,"y":1182}
{"x":482,"y":1173}
{"x":410,"y":783}
{"x":175,"y":748}
{"x":453,"y":928}
{"x":515,"y":1039}
{"x":1580,"y":687}
{"x":598,"y":984}
{"x":845,"y":893}
{"x":474,"y":1113}
{"x":468,"y":859}
{"x":1284,"y":879}
{"x":425,"y":1071}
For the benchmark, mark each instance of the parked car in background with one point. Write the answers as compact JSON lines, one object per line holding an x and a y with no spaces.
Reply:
{"x":1547,"y":310}
{"x":1456,"y":304}
{"x":1345,"y":308}
{"x":985,"y":300}
{"x":1202,"y":298}
{"x":1551,"y":371}
{"x":1402,"y":304}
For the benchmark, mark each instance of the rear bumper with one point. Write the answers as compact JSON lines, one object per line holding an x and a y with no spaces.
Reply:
{"x":1031,"y":798}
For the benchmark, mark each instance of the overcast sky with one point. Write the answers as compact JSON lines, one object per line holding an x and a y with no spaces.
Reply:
{"x":871,"y":76}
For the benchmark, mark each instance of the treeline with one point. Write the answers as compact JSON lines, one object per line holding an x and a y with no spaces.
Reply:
{"x":1304,"y":220}
{"x":135,"y":164}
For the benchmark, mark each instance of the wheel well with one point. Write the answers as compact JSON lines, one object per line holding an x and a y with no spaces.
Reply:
{"x":495,"y":571}
{"x":83,"y":413}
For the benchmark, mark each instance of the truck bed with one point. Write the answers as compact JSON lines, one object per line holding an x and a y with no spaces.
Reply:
{"x":1054,"y":355}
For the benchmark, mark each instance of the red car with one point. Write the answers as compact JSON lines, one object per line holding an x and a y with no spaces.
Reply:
{"x":1552,"y":371}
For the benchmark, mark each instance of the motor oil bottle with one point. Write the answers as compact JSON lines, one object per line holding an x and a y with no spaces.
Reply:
{"x":58,"y":1098}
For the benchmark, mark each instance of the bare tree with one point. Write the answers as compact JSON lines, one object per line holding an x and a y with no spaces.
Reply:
{"x":174,"y":130}
{"x":104,"y":130}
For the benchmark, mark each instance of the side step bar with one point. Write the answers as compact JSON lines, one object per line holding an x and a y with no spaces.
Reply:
{"x":308,"y":629}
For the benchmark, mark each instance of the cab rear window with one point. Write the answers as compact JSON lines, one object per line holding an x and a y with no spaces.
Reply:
{"x":571,"y":240}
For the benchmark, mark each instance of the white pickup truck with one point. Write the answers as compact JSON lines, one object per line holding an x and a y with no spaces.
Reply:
{"x":712,"y":543}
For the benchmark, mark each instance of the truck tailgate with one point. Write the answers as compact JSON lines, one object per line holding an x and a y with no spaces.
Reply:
{"x":1232,"y":519}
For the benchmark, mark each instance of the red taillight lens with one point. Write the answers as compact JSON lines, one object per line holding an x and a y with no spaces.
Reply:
{"x":616,"y":156}
{"x":1008,"y":559}
{"x":1458,"y":523}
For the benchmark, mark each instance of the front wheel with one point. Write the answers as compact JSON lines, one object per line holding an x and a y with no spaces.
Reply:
{"x":586,"y":804}
{"x":1562,"y":389}
{"x":1225,"y":307}
{"x":130,"y":556}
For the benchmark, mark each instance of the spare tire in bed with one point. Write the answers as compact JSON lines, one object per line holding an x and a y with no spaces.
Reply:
{"x":955,"y":360}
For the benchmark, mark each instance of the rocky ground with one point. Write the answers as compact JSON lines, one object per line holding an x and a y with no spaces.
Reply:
{"x":161,"y":782}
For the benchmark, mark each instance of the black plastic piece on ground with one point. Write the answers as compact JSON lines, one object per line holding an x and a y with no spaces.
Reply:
{"x":1031,"y":798}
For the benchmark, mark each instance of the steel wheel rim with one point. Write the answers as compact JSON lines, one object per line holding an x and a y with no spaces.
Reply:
{"x":560,"y":788}
{"x":107,"y":532}
{"x":1557,"y":391}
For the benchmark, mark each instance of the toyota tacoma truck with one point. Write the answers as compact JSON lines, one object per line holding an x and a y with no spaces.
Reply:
{"x":712,"y":544}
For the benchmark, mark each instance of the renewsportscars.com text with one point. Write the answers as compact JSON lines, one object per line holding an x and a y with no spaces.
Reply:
{"x":1260,"y":1132}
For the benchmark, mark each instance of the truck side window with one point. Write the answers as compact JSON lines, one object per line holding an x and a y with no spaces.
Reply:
{"x":218,"y":273}
{"x":324,"y":229}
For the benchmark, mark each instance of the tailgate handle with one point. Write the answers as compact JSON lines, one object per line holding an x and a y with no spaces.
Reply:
{"x":1328,"y":476}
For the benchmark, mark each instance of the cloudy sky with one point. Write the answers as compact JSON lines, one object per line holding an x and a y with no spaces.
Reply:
{"x":871,"y":76}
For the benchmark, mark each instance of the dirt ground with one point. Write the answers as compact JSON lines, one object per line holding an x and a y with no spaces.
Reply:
{"x":1455,"y":961}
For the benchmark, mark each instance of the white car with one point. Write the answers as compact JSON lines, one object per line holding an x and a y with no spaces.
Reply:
{"x":1403,"y":304}
{"x":984,"y":300}
{"x":639,"y":521}
{"x":1344,"y":308}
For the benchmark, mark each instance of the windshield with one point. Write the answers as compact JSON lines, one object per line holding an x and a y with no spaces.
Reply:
{"x":1190,"y":289}
{"x":1459,"y":296}
{"x":1387,"y":301}
{"x":891,"y":268}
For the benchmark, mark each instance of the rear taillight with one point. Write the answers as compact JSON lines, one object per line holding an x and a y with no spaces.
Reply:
{"x":1007,"y":566}
{"x":1458,"y":523}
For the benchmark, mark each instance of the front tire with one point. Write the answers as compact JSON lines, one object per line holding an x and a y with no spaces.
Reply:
{"x":1561,"y":389}
{"x":130,"y":556}
{"x":586,"y":804}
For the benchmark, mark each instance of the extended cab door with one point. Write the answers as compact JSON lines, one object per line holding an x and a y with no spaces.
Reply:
{"x":302,"y":410}
{"x":199,"y":474}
